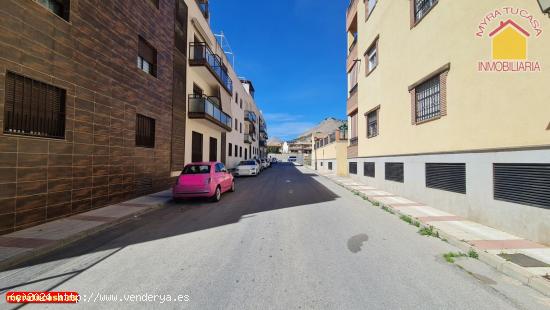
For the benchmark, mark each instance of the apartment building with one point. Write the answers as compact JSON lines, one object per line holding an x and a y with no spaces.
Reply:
{"x":101,"y":104}
{"x":222,"y":123}
{"x":330,"y":152}
{"x":447,"y":105}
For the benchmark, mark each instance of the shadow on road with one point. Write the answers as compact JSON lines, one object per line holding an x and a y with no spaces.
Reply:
{"x":282,"y":186}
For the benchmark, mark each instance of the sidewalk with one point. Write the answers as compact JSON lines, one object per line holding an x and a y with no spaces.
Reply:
{"x":23,"y":245}
{"x":524,"y":260}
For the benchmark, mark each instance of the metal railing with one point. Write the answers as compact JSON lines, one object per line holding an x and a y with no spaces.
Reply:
{"x":207,"y":108}
{"x":250,"y":116}
{"x":203,"y":6}
{"x":201,"y":54}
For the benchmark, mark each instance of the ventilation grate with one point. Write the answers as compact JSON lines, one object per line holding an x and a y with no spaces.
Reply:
{"x":527,"y":184}
{"x":449,"y":177}
{"x":394,"y":172}
{"x":369,"y":169}
{"x":353,"y":168}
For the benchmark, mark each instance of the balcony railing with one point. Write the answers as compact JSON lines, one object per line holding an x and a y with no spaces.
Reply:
{"x":203,"y":6}
{"x":202,"y":55}
{"x":204,"y":107}
{"x":263,"y":128}
{"x":248,"y":138}
{"x":250,"y":116}
{"x":353,"y":141}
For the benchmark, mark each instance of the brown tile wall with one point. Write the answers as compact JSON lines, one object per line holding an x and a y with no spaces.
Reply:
{"x":93,"y":57}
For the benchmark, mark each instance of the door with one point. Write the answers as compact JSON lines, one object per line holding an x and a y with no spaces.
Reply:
{"x":222,"y":177}
{"x":196,"y":147}
{"x":213,"y":149}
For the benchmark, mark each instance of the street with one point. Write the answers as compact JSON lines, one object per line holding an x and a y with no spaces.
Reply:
{"x":287,"y":239}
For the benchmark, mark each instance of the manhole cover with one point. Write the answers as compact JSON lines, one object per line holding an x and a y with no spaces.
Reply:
{"x":523,"y":260}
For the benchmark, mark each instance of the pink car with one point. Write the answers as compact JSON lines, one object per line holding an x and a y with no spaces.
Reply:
{"x":203,"y":180}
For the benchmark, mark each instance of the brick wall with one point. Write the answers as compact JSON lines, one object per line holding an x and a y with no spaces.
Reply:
{"x":92,"y":57}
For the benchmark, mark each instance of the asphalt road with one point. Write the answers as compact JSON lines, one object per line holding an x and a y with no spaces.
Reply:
{"x":286,"y":239}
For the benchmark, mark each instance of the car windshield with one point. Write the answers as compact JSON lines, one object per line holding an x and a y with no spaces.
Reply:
{"x":247,"y":163}
{"x":196,"y":169}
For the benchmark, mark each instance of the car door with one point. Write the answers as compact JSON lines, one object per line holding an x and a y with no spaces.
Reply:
{"x":218,"y":176}
{"x":226,"y":177}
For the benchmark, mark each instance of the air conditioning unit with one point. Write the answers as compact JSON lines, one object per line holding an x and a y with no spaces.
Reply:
{"x":545,"y":5}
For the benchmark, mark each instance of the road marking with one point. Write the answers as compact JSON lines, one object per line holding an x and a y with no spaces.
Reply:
{"x":288,"y":181}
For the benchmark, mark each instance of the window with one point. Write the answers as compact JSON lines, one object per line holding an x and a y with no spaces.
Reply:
{"x":370,"y":6}
{"x":240,"y":151}
{"x":236,"y":151}
{"x":145,"y":131}
{"x":372,"y":57}
{"x":353,"y":126}
{"x":394,"y":172}
{"x":352,"y":79}
{"x":449,"y":177}
{"x":196,"y":147}
{"x":241,"y":127}
{"x":353,"y":168}
{"x":321,"y":164}
{"x":421,"y":9}
{"x":428,"y":100}
{"x":33,"y":108}
{"x":241,"y":103}
{"x":369,"y":169}
{"x":236,"y":124}
{"x":236,"y":98}
{"x":60,"y":8}
{"x":230,"y":149}
{"x":147,"y":57}
{"x":372,"y":123}
{"x":330,"y":166}
{"x":527,"y":184}
{"x":213,"y":156}
{"x":245,"y":154}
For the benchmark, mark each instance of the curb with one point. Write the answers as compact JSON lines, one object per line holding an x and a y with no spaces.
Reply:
{"x":500,"y":264}
{"x":62,"y":243}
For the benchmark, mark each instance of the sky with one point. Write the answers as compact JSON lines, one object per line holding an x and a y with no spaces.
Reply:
{"x":294,"y":52}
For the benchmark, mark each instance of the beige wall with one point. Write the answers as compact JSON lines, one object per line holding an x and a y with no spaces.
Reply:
{"x":335,"y":152}
{"x":498,"y":110}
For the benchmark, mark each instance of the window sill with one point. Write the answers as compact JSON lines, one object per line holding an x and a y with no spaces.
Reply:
{"x":428,"y":120}
{"x":372,"y":136}
{"x":371,"y":71}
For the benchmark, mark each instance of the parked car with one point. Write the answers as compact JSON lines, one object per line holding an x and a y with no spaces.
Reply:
{"x":273,"y":160}
{"x":247,"y":167}
{"x":204,"y":179}
{"x":265,"y":165}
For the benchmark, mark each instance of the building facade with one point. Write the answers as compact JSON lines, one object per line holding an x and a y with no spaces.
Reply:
{"x":446,"y":106}
{"x":330,"y":152}
{"x":99,"y":103}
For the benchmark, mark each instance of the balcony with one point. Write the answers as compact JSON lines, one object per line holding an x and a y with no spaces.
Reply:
{"x":351,"y":15}
{"x":203,"y":6}
{"x":250,"y":116}
{"x":263,"y":128}
{"x":202,"y":55}
{"x":353,"y":101}
{"x":263,"y":143}
{"x":352,"y":55}
{"x":202,"y":107}
{"x":248,"y":138}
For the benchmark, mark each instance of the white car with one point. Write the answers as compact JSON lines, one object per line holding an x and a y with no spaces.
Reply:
{"x":247,"y":167}
{"x":265,"y":164}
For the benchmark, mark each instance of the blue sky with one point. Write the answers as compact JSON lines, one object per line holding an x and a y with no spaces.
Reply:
{"x":294,"y":51}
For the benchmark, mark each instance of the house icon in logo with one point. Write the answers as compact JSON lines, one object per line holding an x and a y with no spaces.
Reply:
{"x":509,"y":41}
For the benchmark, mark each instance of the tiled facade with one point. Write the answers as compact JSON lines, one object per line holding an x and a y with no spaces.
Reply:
{"x":93,"y":58}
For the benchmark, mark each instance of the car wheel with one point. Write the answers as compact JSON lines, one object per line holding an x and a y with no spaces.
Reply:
{"x":217,"y":195}
{"x":232,"y":186}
